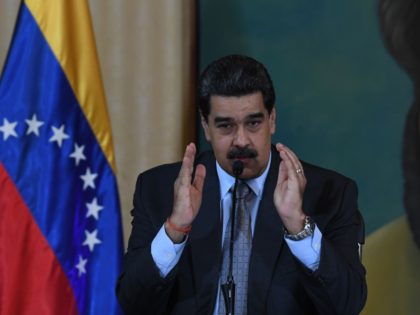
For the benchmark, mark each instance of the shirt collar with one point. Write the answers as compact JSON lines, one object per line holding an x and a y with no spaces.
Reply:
{"x":227,"y":181}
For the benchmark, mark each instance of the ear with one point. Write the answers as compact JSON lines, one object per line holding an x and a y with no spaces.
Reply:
{"x":272,"y":121}
{"x":205,"y":126}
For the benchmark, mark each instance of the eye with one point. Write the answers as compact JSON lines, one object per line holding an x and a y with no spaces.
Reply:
{"x":224,"y":126}
{"x":254,"y":123}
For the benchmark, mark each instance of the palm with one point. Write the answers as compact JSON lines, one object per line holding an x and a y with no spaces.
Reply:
{"x":187,"y":192}
{"x":288,"y":194}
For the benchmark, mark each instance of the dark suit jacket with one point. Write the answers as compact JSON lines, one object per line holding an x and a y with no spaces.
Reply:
{"x":278,"y":283}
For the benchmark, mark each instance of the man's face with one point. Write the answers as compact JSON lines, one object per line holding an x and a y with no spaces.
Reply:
{"x":240,"y":128}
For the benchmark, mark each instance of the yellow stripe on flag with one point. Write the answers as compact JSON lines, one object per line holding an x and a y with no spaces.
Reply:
{"x":77,"y":55}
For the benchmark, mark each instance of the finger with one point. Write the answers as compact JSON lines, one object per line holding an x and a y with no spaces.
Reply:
{"x":293,"y":157}
{"x":285,"y":156}
{"x":200,"y":175}
{"x":282,"y":173}
{"x":290,"y":168}
{"x":187,"y":164}
{"x":282,"y":168}
{"x":296,"y":164}
{"x":291,"y":154}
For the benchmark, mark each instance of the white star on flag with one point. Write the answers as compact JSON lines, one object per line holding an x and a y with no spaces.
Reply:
{"x":88,"y":179}
{"x":93,"y":209}
{"x":8,"y":129}
{"x":33,"y":125}
{"x":59,"y":135}
{"x":91,"y":239}
{"x":77,"y":154}
{"x":81,"y":265}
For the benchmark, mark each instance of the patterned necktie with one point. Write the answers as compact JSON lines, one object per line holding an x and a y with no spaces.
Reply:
{"x":241,"y":250}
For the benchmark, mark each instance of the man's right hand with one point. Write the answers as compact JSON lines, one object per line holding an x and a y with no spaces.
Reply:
{"x":187,"y":194}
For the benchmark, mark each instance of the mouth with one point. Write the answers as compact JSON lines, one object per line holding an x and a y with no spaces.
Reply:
{"x":242,"y":158}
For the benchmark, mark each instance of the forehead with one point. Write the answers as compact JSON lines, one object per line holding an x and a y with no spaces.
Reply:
{"x":236,"y":106}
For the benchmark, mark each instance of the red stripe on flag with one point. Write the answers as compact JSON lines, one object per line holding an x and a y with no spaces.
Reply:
{"x":31,"y":278}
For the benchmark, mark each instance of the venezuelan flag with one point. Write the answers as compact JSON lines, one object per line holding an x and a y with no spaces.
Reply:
{"x":60,"y":226}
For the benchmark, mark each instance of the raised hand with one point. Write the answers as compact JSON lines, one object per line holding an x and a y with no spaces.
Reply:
{"x":288,"y":194}
{"x":187,"y":194}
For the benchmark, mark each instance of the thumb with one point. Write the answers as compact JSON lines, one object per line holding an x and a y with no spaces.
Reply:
{"x":200,"y":175}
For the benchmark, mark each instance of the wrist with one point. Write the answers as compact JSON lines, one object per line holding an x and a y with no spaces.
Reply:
{"x":295,"y":224}
{"x":306,"y":231}
{"x":178,"y":227}
{"x":176,"y":233}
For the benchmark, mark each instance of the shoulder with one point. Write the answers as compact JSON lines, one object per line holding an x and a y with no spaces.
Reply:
{"x":327,"y":182}
{"x":317,"y":173}
{"x":165,"y":170}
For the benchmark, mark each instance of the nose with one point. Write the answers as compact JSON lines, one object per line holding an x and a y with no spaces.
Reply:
{"x":241,"y":138}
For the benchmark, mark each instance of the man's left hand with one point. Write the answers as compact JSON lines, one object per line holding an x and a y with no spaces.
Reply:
{"x":288,"y":194}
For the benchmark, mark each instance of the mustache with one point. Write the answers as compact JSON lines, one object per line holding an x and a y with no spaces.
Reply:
{"x":237,"y":152}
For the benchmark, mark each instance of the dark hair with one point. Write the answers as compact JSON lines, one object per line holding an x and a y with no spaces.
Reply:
{"x":234,"y":75}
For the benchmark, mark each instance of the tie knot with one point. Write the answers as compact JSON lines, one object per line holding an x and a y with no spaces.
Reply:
{"x":243,"y":190}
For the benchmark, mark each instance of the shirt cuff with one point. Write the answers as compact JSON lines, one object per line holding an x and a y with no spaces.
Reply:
{"x":307,"y":250}
{"x":165,"y":253}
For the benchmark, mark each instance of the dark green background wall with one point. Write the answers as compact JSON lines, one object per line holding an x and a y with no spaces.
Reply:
{"x":341,"y":98}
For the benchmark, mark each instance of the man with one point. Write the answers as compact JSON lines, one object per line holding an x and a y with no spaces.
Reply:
{"x":303,"y":220}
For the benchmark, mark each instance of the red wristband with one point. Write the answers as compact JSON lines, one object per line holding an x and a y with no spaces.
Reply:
{"x":184,"y":230}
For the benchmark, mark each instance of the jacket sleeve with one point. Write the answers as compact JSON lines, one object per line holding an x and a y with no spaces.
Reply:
{"x":338,"y":286}
{"x":140,"y":288}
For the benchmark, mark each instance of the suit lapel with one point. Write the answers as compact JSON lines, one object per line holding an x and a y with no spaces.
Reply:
{"x":267,"y":243}
{"x":205,"y":241}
